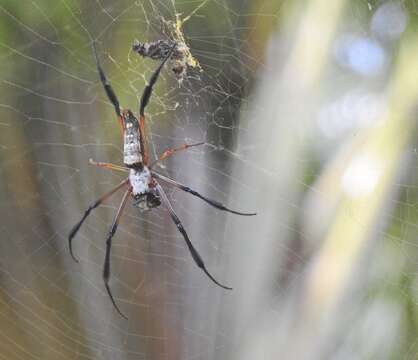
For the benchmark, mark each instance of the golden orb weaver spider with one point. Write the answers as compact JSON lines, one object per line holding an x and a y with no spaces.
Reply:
{"x":141,"y":183}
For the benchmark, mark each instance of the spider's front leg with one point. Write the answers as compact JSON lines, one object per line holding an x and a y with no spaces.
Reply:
{"x":111,"y":95}
{"x":146,"y":95}
{"x":106,"y":84}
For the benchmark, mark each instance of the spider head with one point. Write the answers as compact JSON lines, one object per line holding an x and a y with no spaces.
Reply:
{"x":147,"y":201}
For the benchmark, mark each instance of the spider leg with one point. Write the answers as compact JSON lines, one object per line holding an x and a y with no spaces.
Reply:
{"x":171,"y":151}
{"x":94,"y":205}
{"x":108,"y":166}
{"x":196,"y":256}
{"x":106,"y":267}
{"x":154,"y":77}
{"x":108,"y":88}
{"x":146,"y":95}
{"x":213,"y":203}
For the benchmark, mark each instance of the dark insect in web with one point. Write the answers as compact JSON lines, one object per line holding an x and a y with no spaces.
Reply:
{"x":157,"y":50}
{"x":142,"y":183}
{"x":180,"y":59}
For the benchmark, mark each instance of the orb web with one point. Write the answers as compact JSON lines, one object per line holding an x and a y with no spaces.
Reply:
{"x":284,"y":103}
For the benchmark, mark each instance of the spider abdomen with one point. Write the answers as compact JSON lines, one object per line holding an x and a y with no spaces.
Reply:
{"x":131,"y":154}
{"x":131,"y":142}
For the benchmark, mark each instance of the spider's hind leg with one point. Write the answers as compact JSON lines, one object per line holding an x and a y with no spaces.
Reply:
{"x":195,"y":255}
{"x":106,"y":266}
{"x":94,"y":205}
{"x":211,"y":202}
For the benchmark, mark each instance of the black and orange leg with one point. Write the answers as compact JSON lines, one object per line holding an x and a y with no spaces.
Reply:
{"x":99,"y":201}
{"x":106,"y":267}
{"x":195,"y":255}
{"x":109,"y":166}
{"x":108,"y":88}
{"x":185,"y":188}
{"x":146,"y":95}
{"x":171,"y":151}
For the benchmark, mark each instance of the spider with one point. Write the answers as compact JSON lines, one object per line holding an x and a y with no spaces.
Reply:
{"x":141,"y":184}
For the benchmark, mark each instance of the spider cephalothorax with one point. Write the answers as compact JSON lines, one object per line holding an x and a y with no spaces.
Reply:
{"x":141,"y":184}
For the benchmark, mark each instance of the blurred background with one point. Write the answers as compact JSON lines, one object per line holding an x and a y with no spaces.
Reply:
{"x":309,"y":118}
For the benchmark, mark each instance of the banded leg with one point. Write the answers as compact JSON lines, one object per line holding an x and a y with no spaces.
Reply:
{"x":108,"y":166}
{"x":146,"y":95}
{"x":77,"y":226}
{"x":171,"y":151}
{"x":213,"y":203}
{"x":195,"y":255}
{"x":106,"y":267}
{"x":108,"y":88}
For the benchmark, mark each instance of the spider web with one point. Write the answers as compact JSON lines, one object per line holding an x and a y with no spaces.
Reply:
{"x":291,"y":101}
